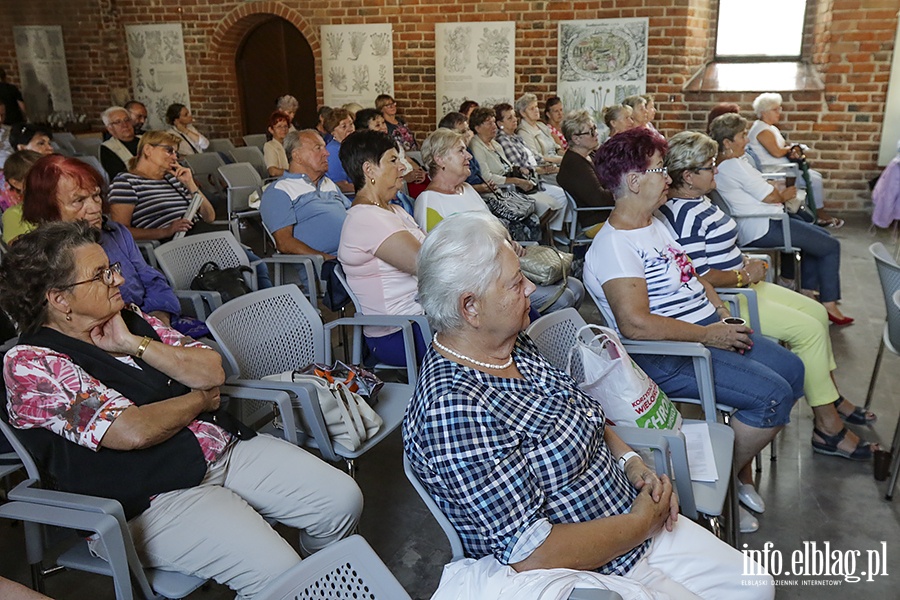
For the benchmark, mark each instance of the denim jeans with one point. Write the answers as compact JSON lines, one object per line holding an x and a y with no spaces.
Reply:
{"x":762,"y":383}
{"x":820,"y":268}
{"x":389,"y":348}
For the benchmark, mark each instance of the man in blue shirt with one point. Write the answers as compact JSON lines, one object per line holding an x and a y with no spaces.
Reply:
{"x":304,"y":209}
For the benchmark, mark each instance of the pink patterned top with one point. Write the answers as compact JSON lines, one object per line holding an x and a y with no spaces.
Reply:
{"x":46,"y":389}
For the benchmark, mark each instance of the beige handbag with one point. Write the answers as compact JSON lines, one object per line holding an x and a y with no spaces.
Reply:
{"x":545,"y":265}
{"x":348,"y":417}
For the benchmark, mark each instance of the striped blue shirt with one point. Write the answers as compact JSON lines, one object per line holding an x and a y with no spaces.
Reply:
{"x":707,"y":234}
{"x":157,"y":202}
{"x":652,"y":254}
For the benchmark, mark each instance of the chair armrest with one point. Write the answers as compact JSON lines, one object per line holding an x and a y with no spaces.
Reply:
{"x":312,"y":264}
{"x":650,"y":439}
{"x":280,"y":393}
{"x":146,"y":247}
{"x":752,"y":303}
{"x":27,"y":491}
{"x":402,"y":321}
{"x":192,"y":300}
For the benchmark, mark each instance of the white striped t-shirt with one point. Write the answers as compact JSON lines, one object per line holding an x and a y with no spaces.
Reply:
{"x":157,"y":202}
{"x":649,"y":253}
{"x":707,"y":234}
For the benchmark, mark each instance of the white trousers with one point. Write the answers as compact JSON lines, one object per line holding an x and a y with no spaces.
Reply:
{"x":216,"y":530}
{"x":690,"y":563}
{"x":552,"y":198}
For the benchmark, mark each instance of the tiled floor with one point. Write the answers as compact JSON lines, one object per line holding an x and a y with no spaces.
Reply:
{"x":810,"y":498}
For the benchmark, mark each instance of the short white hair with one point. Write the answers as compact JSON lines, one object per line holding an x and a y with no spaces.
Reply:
{"x":524,"y":100}
{"x":458,"y":256}
{"x":287,"y":103}
{"x":107,"y":114}
{"x":766,"y":101}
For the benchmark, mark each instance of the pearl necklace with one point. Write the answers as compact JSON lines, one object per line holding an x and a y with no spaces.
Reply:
{"x":472,"y":360}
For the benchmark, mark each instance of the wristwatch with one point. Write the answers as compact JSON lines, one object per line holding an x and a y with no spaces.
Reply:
{"x":626,"y":457}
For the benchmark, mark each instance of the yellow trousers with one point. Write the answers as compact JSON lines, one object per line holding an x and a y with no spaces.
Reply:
{"x":803,"y":324}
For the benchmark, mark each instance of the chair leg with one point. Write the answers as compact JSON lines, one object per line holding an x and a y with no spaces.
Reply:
{"x":895,"y":467}
{"x":874,"y":373}
{"x":351,"y":467}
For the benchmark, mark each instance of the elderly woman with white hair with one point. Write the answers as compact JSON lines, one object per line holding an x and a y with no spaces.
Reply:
{"x":767,"y":144}
{"x":519,"y":458}
{"x":536,"y":134}
{"x":288,"y":105}
{"x":447,"y":161}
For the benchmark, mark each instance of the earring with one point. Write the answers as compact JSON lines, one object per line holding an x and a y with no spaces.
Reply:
{"x":372,"y":181}
{"x":69,"y":315}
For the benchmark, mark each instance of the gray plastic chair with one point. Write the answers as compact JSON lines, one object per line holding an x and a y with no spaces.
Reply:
{"x":776,"y":251}
{"x":256,"y":139}
{"x":277,"y":330}
{"x":87,"y":145}
{"x":254,"y":156}
{"x":456,"y":548}
{"x":889,"y":275}
{"x":243,"y":181}
{"x":95,"y":162}
{"x":554,"y":335}
{"x":37,"y":508}
{"x":346,"y":569}
{"x":205,"y":167}
{"x":893,"y":343}
{"x":572,"y":233}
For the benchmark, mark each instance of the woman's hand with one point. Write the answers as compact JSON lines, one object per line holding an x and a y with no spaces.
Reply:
{"x":788,"y":193}
{"x":185,"y":176}
{"x":176,"y":226}
{"x":210,"y":398}
{"x":756,"y":269}
{"x":113,"y":336}
{"x":417,"y":175}
{"x":735,"y":338}
{"x":660,"y":513}
{"x":520,"y":183}
{"x":518,"y":248}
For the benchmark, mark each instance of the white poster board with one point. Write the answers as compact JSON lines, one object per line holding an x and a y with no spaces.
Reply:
{"x":601,"y":62}
{"x":42,"y":71}
{"x":158,"y":71}
{"x":357,"y":63}
{"x":890,"y":128}
{"x":474,"y":61}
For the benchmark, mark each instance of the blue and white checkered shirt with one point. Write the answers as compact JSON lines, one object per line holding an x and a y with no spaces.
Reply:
{"x":515,"y":149}
{"x":501,"y":455}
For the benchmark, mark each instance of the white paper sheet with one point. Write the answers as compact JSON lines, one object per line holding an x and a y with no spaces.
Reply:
{"x":701,"y":460}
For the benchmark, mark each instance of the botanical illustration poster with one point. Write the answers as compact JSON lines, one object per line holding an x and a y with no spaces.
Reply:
{"x":42,"y":72}
{"x":601,"y":63}
{"x":357,"y":63}
{"x":474,"y":61}
{"x":158,"y":72}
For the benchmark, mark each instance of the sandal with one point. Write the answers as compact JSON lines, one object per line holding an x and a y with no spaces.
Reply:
{"x":831,"y":222}
{"x":859,"y":416}
{"x":829,"y":446}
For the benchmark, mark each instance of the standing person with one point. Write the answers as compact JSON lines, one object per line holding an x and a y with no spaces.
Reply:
{"x":397,"y":127}
{"x":647,"y":288}
{"x":123,"y":142}
{"x":273,"y":150}
{"x":11,"y":96}
{"x":181,"y":122}
{"x":553,"y":116}
{"x":138,"y":113}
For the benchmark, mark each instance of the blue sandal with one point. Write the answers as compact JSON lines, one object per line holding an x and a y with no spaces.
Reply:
{"x":859,"y":416}
{"x":829,"y":446}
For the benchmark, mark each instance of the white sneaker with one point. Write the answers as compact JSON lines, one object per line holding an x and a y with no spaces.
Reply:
{"x":749,"y":497}
{"x":749,"y":523}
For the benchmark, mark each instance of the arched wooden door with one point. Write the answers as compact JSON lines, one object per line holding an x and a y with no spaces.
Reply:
{"x":275,"y":59}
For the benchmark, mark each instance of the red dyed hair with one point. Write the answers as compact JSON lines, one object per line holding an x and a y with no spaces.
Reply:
{"x":277,"y":117}
{"x":626,"y":152}
{"x":723,"y":108}
{"x":39,"y":203}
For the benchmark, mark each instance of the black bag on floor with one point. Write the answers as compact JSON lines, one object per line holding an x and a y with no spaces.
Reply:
{"x":229,"y":282}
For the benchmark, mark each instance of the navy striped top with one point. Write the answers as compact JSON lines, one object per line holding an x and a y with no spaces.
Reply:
{"x":157,"y":202}
{"x":707,"y":234}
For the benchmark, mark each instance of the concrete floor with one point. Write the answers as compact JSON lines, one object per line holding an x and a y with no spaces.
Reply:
{"x":810,"y":498}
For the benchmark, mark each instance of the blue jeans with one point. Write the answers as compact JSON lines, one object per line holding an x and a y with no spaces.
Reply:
{"x":389,"y":348}
{"x":762,"y":383}
{"x":262,"y":271}
{"x":820,"y":268}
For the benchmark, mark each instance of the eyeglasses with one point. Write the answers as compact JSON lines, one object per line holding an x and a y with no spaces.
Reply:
{"x":168,"y":149}
{"x":593,"y":131}
{"x":709,"y":168}
{"x":119,"y":122}
{"x":107,"y":276}
{"x":662,"y":170}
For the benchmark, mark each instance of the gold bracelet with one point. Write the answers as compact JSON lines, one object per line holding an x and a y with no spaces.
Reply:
{"x":740,"y":281}
{"x":143,"y":347}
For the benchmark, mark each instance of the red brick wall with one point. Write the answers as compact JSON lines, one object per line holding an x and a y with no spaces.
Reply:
{"x":850,"y":40}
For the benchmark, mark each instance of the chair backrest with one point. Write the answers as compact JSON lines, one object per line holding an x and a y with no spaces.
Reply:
{"x":205,"y":166}
{"x":180,"y":260}
{"x":95,"y":162}
{"x":89,"y":146}
{"x":254,"y":156}
{"x":21,"y":451}
{"x":223,"y":145}
{"x":268,"y":332}
{"x":716,"y":198}
{"x":255,"y":139}
{"x":242,"y":179}
{"x":346,"y":569}
{"x":455,"y":543}
{"x":342,"y":277}
{"x":889,"y":275}
{"x":554,"y":335}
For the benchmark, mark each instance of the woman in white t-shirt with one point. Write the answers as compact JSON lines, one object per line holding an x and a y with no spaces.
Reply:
{"x":447,"y":160}
{"x":647,"y":289}
{"x":746,"y":192}
{"x":380,"y":242}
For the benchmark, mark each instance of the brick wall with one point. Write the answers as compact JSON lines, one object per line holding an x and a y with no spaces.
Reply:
{"x":851,"y":41}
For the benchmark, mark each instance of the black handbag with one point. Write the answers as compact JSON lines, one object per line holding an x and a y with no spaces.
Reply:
{"x":229,"y":282}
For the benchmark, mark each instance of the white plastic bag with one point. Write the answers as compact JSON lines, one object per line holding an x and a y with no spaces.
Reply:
{"x":628,"y":396}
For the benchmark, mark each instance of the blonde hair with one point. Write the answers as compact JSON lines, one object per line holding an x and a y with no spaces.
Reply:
{"x":153,"y":138}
